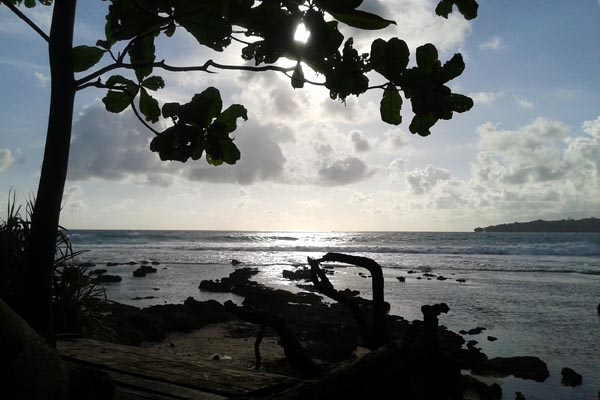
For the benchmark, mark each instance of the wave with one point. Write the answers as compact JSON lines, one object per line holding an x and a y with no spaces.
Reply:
{"x":576,"y":250}
{"x":573,"y":245}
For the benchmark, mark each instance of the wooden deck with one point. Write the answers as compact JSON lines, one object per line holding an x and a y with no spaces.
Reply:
{"x":142,"y":373}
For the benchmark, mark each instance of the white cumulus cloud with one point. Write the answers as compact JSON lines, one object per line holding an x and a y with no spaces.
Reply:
{"x":493,"y":43}
{"x":6,"y":159}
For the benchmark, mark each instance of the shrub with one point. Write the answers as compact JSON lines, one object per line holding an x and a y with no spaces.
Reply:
{"x":75,"y":297}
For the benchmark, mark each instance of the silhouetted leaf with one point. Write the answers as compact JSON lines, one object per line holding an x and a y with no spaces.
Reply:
{"x":377,"y":56}
{"x":421,"y":124}
{"x":170,"y":110}
{"x":298,"y":77}
{"x":427,"y":56}
{"x":390,"y":106}
{"x":142,"y":55}
{"x":103,"y":44}
{"x":338,"y":5}
{"x":219,"y":146}
{"x":460,"y":103}
{"x":149,"y":106}
{"x":154,"y":83}
{"x":362,"y":20}
{"x":209,"y":29}
{"x":203,"y":108}
{"x":468,"y":8}
{"x":116,"y":101}
{"x":451,"y":69}
{"x":118,"y":80}
{"x":444,"y":8}
{"x":229,"y":117}
{"x":85,"y":57}
{"x":396,"y":58}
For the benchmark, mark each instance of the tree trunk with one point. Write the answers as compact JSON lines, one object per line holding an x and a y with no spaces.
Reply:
{"x":46,"y":212}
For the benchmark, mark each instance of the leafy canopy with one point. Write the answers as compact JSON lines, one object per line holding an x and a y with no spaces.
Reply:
{"x":267,"y":29}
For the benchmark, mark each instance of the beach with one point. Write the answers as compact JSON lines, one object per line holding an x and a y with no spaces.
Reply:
{"x":537,"y":294}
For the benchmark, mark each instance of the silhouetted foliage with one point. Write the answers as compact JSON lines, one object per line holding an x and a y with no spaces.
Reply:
{"x":74,"y":294}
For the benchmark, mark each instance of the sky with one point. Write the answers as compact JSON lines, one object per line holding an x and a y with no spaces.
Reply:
{"x":529,"y":148}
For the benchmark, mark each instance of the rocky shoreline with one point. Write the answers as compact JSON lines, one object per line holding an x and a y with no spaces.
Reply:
{"x":327,"y":332}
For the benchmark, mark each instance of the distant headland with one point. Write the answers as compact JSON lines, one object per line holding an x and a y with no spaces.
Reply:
{"x":564,"y":225}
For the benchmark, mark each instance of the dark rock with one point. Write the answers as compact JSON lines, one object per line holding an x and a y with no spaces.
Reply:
{"x":401,"y":279}
{"x":570,"y":377}
{"x":462,"y":332}
{"x":475,"y":331}
{"x":207,"y":312}
{"x":213,"y":286}
{"x":428,"y":275}
{"x":98,"y":271}
{"x":461,"y":280}
{"x":148,"y":269}
{"x":111,"y":264}
{"x":131,"y":263}
{"x":410,"y":271}
{"x":155,"y":263}
{"x":520,"y":396}
{"x":492,"y":338}
{"x":419,"y":277}
{"x":297,"y":275}
{"x":155,"y":288}
{"x":145,"y":262}
{"x":235,"y":262}
{"x":143,"y":298}
{"x":105,"y":278}
{"x":139,"y":273}
{"x":349,"y":292}
{"x":87,"y":265}
{"x":525,"y":367}
{"x":490,"y":392}
{"x":441,"y":278}
{"x":471,"y":345}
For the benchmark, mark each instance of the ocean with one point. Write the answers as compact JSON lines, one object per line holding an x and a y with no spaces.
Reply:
{"x":536,"y":292}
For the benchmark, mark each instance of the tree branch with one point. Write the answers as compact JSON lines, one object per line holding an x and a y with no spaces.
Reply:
{"x":26,"y":19}
{"x":101,"y":85}
{"x":379,"y":334}
{"x":194,"y":68}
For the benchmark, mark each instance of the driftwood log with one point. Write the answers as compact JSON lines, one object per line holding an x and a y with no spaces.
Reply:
{"x":375,"y":334}
{"x":293,"y":350}
{"x":402,"y":369}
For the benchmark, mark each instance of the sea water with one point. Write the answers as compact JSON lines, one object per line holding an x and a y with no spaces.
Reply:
{"x":536,"y":292}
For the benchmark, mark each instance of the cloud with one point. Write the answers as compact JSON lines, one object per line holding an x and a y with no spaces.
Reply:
{"x":73,"y":199}
{"x":523,"y":103}
{"x":417,"y":24}
{"x":41,"y":79}
{"x":111,"y":147}
{"x":116,"y":147}
{"x":422,"y":181}
{"x":484,"y":98}
{"x":360,"y":141}
{"x":397,"y":139}
{"x":343,"y":171}
{"x":262,"y":158}
{"x":6,"y":159}
{"x":397,"y":169}
{"x":494,"y":43}
{"x":541,"y":170}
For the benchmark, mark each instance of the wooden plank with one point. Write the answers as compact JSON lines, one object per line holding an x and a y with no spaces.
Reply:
{"x":152,"y":387}
{"x":147,"y":364}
